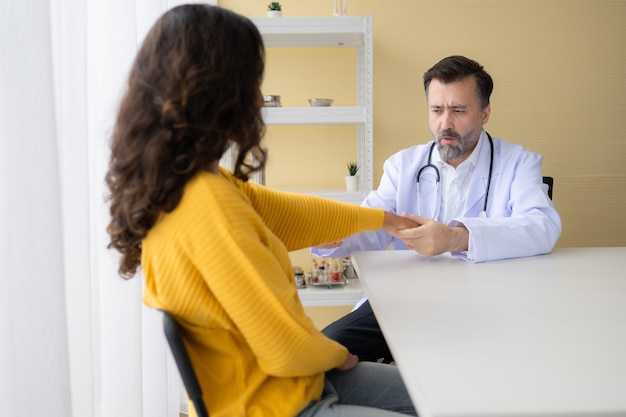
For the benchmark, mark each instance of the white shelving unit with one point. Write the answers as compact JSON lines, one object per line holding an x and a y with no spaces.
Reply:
{"x":348,"y":31}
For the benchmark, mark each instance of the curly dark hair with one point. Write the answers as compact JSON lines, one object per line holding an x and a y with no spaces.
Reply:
{"x":193,"y":91}
{"x":457,"y":67}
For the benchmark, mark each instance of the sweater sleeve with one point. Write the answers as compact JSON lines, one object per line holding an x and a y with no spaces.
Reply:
{"x":301,"y":221}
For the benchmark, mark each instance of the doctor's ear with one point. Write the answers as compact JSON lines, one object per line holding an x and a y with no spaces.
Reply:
{"x":485,"y":113}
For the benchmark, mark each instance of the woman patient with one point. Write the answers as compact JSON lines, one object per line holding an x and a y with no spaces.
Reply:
{"x":213,"y":247}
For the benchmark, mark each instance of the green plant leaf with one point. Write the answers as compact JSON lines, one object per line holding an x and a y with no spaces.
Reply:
{"x":353,"y":168}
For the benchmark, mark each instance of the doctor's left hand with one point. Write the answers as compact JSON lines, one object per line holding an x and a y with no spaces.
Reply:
{"x":433,"y":238}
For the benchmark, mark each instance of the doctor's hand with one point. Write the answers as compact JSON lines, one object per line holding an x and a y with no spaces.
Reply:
{"x":433,"y":238}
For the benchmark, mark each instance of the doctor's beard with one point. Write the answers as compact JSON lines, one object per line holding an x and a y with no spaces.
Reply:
{"x":464,"y":143}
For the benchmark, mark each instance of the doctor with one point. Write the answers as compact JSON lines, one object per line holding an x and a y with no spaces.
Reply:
{"x":477,"y":197}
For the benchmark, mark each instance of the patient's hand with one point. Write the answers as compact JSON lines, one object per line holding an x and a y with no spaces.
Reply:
{"x":394,"y":223}
{"x":351,"y":362}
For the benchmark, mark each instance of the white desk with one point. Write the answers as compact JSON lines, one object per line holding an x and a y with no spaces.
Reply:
{"x":540,"y":336}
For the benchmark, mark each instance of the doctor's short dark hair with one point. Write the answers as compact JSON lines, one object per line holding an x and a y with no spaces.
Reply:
{"x":457,"y":67}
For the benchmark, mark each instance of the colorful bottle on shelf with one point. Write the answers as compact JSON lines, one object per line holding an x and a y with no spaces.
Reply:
{"x":334,"y":273}
{"x":322,"y":272}
{"x":348,"y":269}
{"x":314,"y":271}
{"x":298,"y":275}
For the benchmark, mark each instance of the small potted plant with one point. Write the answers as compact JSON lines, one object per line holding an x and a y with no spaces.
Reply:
{"x":274,"y":9}
{"x":352,"y":179}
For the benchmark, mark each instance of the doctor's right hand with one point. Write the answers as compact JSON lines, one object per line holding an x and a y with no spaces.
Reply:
{"x":434,"y":238}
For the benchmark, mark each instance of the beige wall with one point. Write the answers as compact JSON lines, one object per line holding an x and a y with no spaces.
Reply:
{"x":558,"y":68}
{"x":323,"y":316}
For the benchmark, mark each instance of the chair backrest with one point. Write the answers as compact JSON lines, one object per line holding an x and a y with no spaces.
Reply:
{"x":550,"y":182}
{"x":175,"y":341}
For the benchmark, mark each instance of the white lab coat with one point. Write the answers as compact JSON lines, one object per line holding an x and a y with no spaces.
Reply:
{"x":520,"y":220}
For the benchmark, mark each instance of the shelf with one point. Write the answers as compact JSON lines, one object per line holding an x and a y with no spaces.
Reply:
{"x":344,"y":31}
{"x":313,"y":115}
{"x":338,"y":194}
{"x":312,"y":31}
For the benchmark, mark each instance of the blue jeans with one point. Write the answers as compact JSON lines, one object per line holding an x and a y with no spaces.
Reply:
{"x":369,"y":389}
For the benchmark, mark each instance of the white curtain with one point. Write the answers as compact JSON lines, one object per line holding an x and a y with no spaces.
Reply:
{"x":75,"y":339}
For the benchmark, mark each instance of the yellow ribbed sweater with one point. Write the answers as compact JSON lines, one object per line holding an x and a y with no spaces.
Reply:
{"x":219,"y":263}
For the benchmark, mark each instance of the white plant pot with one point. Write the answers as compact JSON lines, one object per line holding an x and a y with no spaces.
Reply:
{"x":274,"y":13}
{"x":352,"y":183}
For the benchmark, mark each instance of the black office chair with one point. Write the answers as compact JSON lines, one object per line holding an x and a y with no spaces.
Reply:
{"x":174,"y":339}
{"x":550,"y":182}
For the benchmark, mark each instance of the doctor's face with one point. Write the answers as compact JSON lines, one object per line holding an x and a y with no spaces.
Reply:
{"x":455,"y":118}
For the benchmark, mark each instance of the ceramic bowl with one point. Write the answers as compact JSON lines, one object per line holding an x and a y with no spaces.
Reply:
{"x":320,"y":102}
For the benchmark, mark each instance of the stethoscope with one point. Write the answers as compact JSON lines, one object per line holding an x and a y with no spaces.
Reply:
{"x":429,"y":164}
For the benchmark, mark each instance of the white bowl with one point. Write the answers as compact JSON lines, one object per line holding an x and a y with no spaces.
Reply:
{"x":320,"y":102}
{"x":271,"y":101}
